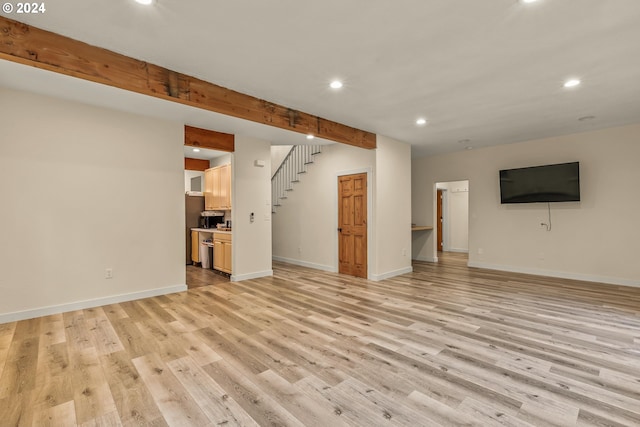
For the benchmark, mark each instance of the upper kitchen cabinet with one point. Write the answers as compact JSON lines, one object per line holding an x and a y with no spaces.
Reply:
{"x":208,"y":190}
{"x":225,"y":186}
{"x":217,"y":187}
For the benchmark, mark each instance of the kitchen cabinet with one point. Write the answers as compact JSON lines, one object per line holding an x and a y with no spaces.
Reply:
{"x":226,"y":263}
{"x":217,"y":188}
{"x":222,"y":252}
{"x":225,"y":186}
{"x":195,"y":247}
{"x":208,"y":190}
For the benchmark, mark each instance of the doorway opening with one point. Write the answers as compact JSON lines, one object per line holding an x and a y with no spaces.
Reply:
{"x":452,"y":219}
{"x":198,"y":228}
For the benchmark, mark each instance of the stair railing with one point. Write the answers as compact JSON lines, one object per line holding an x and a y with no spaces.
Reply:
{"x":294,"y":164}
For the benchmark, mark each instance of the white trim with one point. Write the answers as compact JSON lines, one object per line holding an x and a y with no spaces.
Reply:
{"x":249,"y":276}
{"x":81,"y":305}
{"x":306,"y":264}
{"x":370,"y":217}
{"x":446,"y":223}
{"x":390,"y":274}
{"x":558,"y":274}
{"x":426,"y":259}
{"x":462,"y":251}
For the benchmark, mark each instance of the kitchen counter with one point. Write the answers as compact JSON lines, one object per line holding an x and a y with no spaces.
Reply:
{"x":210,"y":230}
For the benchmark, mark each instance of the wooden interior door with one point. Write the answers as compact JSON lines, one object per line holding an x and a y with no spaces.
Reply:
{"x":352,"y":225}
{"x":440,"y":219}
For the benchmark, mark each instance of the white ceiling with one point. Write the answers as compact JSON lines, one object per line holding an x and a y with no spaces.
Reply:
{"x":203,"y":153}
{"x":490,"y":72}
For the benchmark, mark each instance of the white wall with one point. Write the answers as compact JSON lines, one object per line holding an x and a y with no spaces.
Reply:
{"x":278,"y":153}
{"x":251,"y":192}
{"x":192,"y":174}
{"x":83,"y":189}
{"x":305,"y":226}
{"x":393,"y":208}
{"x":595,"y":239}
{"x":225,"y":159}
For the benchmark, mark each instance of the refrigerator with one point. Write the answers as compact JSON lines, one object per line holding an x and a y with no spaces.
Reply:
{"x":193,"y":206}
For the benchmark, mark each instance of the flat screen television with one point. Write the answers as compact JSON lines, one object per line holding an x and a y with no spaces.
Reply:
{"x":548,"y":183}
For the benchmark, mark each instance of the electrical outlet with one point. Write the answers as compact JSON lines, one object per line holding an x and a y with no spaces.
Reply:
{"x":480,"y":251}
{"x":299,"y":249}
{"x":108,"y":273}
{"x":404,"y":252}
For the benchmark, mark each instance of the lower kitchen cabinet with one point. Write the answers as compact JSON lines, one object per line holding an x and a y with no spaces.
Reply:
{"x":222,"y":252}
{"x":195,"y":247}
{"x":227,"y":258}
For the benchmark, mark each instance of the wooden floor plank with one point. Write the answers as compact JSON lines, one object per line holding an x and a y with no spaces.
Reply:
{"x":56,"y":416}
{"x":258,"y":404}
{"x":54,"y":385}
{"x":217,"y":405}
{"x":297,"y":402}
{"x":91,"y":393}
{"x":176,"y":404}
{"x":131,"y":396}
{"x":19,"y":374}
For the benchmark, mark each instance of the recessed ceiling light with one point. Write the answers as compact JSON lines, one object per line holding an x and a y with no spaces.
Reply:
{"x":528,"y":1}
{"x":336,"y":84}
{"x":310,"y":136}
{"x":464,"y":141}
{"x":196,"y":150}
{"x":572,"y":83}
{"x":145,"y":2}
{"x":468,"y":148}
{"x":421,"y":121}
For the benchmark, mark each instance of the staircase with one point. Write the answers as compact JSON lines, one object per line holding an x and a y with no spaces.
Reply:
{"x":293,"y":165}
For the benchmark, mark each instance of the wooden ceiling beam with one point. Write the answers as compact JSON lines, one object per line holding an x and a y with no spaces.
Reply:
{"x":32,"y":46}
{"x":199,"y":165}
{"x":203,"y":138}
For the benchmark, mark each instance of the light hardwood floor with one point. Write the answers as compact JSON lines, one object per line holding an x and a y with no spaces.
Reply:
{"x":445,"y":345}
{"x":198,"y":276}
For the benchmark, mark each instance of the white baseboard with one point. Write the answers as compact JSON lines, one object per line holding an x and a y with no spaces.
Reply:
{"x":558,"y":274}
{"x":249,"y":276}
{"x":306,"y":264}
{"x":462,"y":251}
{"x":81,"y":305}
{"x":427,"y":259}
{"x":390,"y":274}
